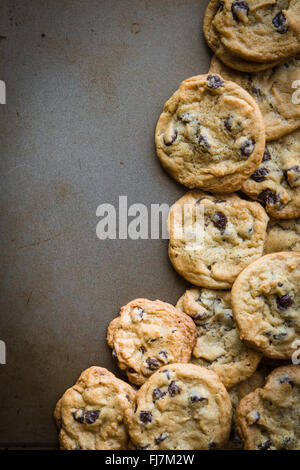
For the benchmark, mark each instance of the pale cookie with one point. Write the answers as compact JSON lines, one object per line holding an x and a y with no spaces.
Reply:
{"x":276,"y":183}
{"x":274,"y":91}
{"x":282,"y":235}
{"x":212,"y":38}
{"x":266,"y":304}
{"x":268,"y":418}
{"x":236,"y":393}
{"x":90,"y":415}
{"x":218,"y":345}
{"x":180,"y":407}
{"x":211,"y":134}
{"x":259,"y":31}
{"x":149,"y":334}
{"x":221,"y":237}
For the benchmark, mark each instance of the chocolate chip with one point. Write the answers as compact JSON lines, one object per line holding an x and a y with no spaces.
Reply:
{"x":212,"y":446}
{"x":267,"y":155}
{"x":284,"y":302}
{"x":265,"y":446}
{"x":287,"y":380}
{"x":203,"y":141}
{"x":91,"y":416}
{"x":160,"y":438}
{"x":157,"y":394}
{"x":280,"y":23}
{"x":145,"y":417}
{"x":142,"y":349}
{"x":228,"y":123}
{"x":152,"y":363}
{"x":239,"y":7}
{"x":199,"y":316}
{"x":186,"y":118}
{"x":214,"y":81}
{"x":142,"y":448}
{"x":167,"y":373}
{"x":221,"y":6}
{"x":248,"y":147}
{"x":128,"y":397}
{"x":172,"y":140}
{"x":259,"y":175}
{"x":279,"y":337}
{"x":220,"y":221}
{"x":163,"y":354}
{"x":196,"y":398}
{"x":78,"y":416}
{"x":173,"y":389}
{"x":267,"y":196}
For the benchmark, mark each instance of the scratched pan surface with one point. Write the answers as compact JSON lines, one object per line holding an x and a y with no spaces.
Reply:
{"x":86,"y":81}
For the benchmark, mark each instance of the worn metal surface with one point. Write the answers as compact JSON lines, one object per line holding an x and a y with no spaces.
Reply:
{"x":86,"y":81}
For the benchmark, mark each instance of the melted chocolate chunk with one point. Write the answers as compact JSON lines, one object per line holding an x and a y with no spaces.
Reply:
{"x":91,"y":416}
{"x":142,"y":349}
{"x":214,"y":81}
{"x":265,"y":446}
{"x":284,"y":302}
{"x":279,"y":337}
{"x":228,"y":123}
{"x":259,"y":175}
{"x":160,"y":438}
{"x":287,"y":380}
{"x":172,"y":140}
{"x":157,"y":394}
{"x":145,"y":417}
{"x":173,"y":389}
{"x":78,"y":416}
{"x":267,"y":155}
{"x":247,"y":148}
{"x":203,"y":141}
{"x":267,"y":196}
{"x":220,"y":221}
{"x":239,"y":7}
{"x":280,"y":23}
{"x":196,"y":398}
{"x":163,"y":354}
{"x":152,"y":363}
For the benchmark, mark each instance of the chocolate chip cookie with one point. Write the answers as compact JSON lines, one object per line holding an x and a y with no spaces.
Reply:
{"x":276,"y":183}
{"x":273,"y":91}
{"x":149,"y":334}
{"x":90,"y":415}
{"x":259,"y":31}
{"x":266,"y":304}
{"x":268,"y":418}
{"x":218,"y":345}
{"x":214,"y":237}
{"x":282,"y":235}
{"x":211,"y":134}
{"x":180,"y":407}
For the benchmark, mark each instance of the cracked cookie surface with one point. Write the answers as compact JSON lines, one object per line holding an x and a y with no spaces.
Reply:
{"x":90,"y":415}
{"x":211,"y":134}
{"x":268,"y":418}
{"x":180,"y":407}
{"x":232,"y":235}
{"x":149,"y":334}
{"x":218,"y":346}
{"x":266,"y":304}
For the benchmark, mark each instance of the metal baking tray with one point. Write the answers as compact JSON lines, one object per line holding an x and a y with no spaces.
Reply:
{"x":85,"y":81}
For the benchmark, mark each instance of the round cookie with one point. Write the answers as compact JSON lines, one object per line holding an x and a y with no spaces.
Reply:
{"x":180,"y":407}
{"x":218,"y":346}
{"x":149,"y":334}
{"x":210,"y":135}
{"x":212,"y":38}
{"x":266,"y":304}
{"x":223,"y":235}
{"x":276,"y":183}
{"x":90,"y":415}
{"x":282,"y":235}
{"x":268,"y":418}
{"x":273,"y":91}
{"x":259,"y":31}
{"x":236,"y":393}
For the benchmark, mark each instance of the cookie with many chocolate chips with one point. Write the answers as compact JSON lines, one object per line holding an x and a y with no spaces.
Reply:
{"x":213,"y":40}
{"x":273,"y":91}
{"x":214,"y":237}
{"x":90,"y":415}
{"x":282,"y":235}
{"x":259,"y":31}
{"x":149,"y":334}
{"x":266,"y":304}
{"x":276,"y":182}
{"x":218,"y":345}
{"x":268,"y":418}
{"x":211,"y":134}
{"x":180,"y":407}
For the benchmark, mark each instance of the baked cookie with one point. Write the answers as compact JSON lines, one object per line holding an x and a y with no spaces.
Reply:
{"x":259,"y":31}
{"x":212,"y":38}
{"x":223,"y":234}
{"x":211,"y":134}
{"x":149,"y":334}
{"x":90,"y":415}
{"x":273,"y":91}
{"x":236,"y":393}
{"x":180,"y":407}
{"x":282,"y":235}
{"x":218,"y":345}
{"x":266,"y":304}
{"x":268,"y":418}
{"x":276,"y":183}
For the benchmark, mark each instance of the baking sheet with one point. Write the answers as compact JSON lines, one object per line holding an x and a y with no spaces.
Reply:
{"x":86,"y":81}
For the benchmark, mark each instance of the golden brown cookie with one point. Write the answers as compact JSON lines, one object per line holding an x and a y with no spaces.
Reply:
{"x":282,"y":235}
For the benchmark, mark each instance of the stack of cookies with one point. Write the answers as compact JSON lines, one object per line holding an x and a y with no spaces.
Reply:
{"x":219,"y":370}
